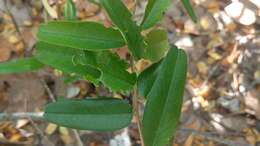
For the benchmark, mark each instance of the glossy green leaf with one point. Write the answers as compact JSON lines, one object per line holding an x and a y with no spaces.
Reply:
{"x":102,"y":114}
{"x":154,"y":11}
{"x":20,"y":65}
{"x":146,"y":79}
{"x":122,"y":18}
{"x":70,"y":10}
{"x":164,"y":100}
{"x":157,"y":45}
{"x":62,"y":58}
{"x":114,"y":72}
{"x":188,"y":7}
{"x":84,"y":35}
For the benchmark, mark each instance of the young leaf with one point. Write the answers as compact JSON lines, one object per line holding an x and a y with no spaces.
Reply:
{"x":164,"y":100}
{"x":20,"y":65}
{"x":122,"y":18}
{"x":188,"y":7}
{"x":61,"y":58}
{"x":70,"y":10}
{"x":157,"y":45}
{"x":102,"y":114}
{"x":84,"y":35}
{"x":154,"y":11}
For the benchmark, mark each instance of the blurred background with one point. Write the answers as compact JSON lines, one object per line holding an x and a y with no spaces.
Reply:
{"x":222,"y":95}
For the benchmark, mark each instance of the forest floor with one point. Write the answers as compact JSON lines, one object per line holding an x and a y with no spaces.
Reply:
{"x":222,"y":95}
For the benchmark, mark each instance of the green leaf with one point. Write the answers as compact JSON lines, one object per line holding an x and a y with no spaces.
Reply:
{"x":87,"y":58}
{"x":60,"y":57}
{"x":114,"y":72}
{"x":20,"y":65}
{"x":102,"y":114}
{"x":122,"y":18}
{"x":146,"y":79}
{"x":188,"y":7}
{"x":154,"y":11}
{"x":84,"y":35}
{"x":164,"y":100}
{"x":157,"y":45}
{"x":70,"y":10}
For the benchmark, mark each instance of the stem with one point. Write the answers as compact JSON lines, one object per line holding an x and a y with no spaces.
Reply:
{"x":137,"y":114}
{"x":136,"y":106}
{"x":21,"y":115}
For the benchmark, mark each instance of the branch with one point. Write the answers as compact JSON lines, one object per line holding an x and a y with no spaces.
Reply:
{"x":137,"y":114}
{"x":21,"y":115}
{"x":136,"y":106}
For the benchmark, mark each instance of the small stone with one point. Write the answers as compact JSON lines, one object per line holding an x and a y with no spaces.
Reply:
{"x":122,"y":139}
{"x":73,"y":91}
{"x":242,"y":88}
{"x":234,"y":9}
{"x":241,"y":13}
{"x":232,"y":104}
{"x":237,"y":123}
{"x":248,"y":17}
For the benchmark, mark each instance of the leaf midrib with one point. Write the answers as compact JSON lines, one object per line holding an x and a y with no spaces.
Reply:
{"x":81,"y":37}
{"x":163,"y":112}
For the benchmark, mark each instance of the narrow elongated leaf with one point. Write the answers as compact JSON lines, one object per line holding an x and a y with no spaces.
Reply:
{"x":146,"y":79}
{"x":83,"y":35}
{"x":154,"y":11}
{"x":70,"y":10}
{"x":164,"y":100}
{"x":105,"y":114}
{"x":121,"y":17}
{"x":61,"y":58}
{"x":188,"y":7}
{"x":114,"y":72}
{"x":157,"y":45}
{"x":20,"y":65}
